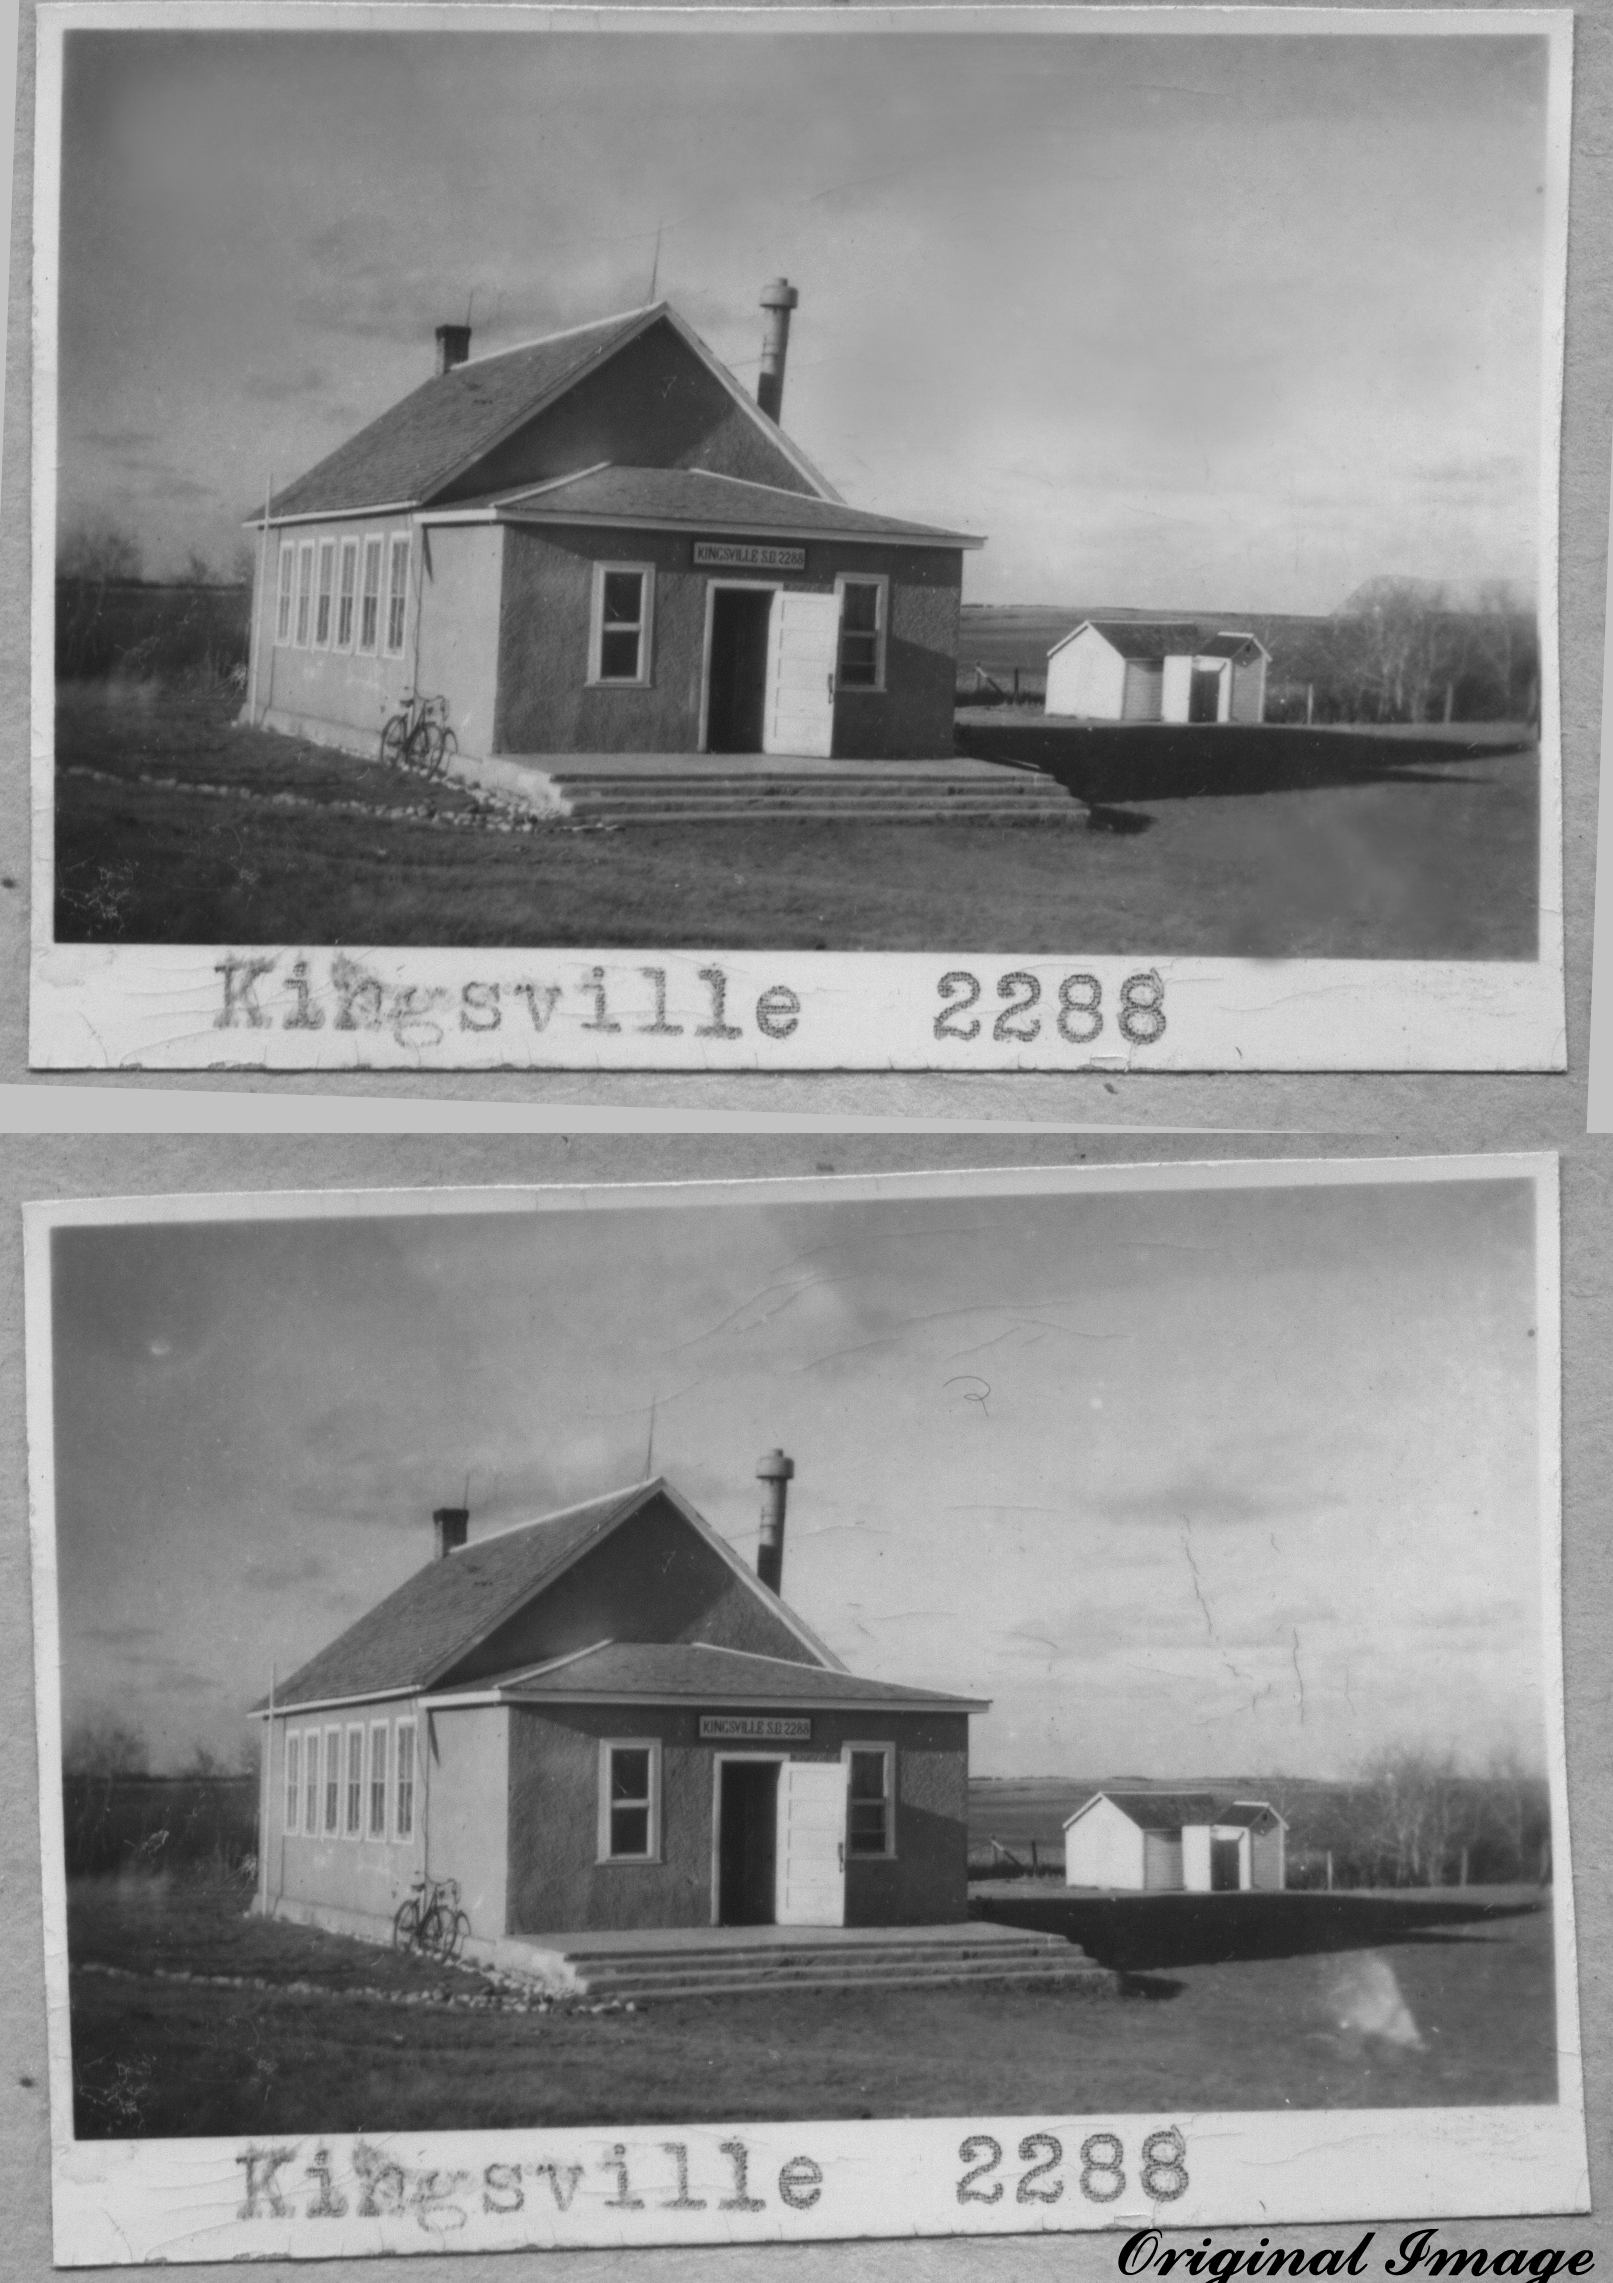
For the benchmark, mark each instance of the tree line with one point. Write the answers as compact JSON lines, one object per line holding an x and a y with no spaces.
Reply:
{"x":1414,"y":1818}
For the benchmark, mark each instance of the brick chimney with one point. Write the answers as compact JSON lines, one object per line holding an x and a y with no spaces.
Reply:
{"x":778,"y":299}
{"x":450,"y":1527}
{"x":453,"y":346}
{"x":773,"y":1472}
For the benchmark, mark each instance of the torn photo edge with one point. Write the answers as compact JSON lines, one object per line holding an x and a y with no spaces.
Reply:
{"x":132,"y":2201}
{"x":328,"y":1009}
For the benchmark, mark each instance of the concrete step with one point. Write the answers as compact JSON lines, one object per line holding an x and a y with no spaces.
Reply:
{"x":725,"y":1980}
{"x":1022,"y":1943}
{"x":808,"y":807}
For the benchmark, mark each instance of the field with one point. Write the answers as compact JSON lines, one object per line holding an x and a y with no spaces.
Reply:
{"x":1430,"y":2006}
{"x":1353,"y":846}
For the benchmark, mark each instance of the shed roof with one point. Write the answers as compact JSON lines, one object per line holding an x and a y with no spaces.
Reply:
{"x":1149,"y":641}
{"x":696,"y":499}
{"x":444,"y":427}
{"x":1172,"y":1811}
{"x":419,"y":1632}
{"x":675,"y":1672}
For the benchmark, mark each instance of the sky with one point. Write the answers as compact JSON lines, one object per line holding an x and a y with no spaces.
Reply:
{"x":1187,"y":1483}
{"x":1179,"y":322}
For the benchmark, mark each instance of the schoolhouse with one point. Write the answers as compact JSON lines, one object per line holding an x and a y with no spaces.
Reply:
{"x":605,"y":1720}
{"x":597,"y":542}
{"x":1165,"y":670}
{"x":1160,"y":1842}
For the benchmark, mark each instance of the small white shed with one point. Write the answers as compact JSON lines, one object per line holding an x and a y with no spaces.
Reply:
{"x":1156,"y":670}
{"x":1157,"y":1842}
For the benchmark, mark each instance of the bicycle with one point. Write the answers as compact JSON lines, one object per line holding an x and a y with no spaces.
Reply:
{"x":418,"y":737}
{"x":429,"y":1918}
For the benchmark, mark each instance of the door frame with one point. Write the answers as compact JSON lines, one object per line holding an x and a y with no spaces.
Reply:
{"x":762,"y":586}
{"x":719,"y":1760}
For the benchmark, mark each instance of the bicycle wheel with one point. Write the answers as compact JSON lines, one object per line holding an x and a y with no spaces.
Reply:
{"x":454,"y":1937}
{"x":447,"y":745}
{"x":417,"y":748}
{"x":395,"y":739}
{"x":406,"y":1924}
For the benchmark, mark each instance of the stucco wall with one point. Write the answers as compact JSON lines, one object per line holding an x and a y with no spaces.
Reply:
{"x":556,"y":1884}
{"x":335,"y":697}
{"x":366,"y":1876}
{"x":654,"y":1579}
{"x":545,"y":705}
{"x":467,"y":1771}
{"x":1104,"y":1849}
{"x":460,"y":570}
{"x":655,"y":405}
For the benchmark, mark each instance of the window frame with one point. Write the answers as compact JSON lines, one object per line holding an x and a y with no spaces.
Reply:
{"x":645,"y":676}
{"x":886,"y":1750}
{"x":403,"y":1820}
{"x":310,"y":1783}
{"x":353,"y":1783}
{"x":608,"y":1747}
{"x":303,"y":616}
{"x":368,"y":646}
{"x":291,"y":1785}
{"x":379,"y":1731}
{"x":325,"y":595}
{"x":331,"y":1823}
{"x":397,"y":598}
{"x":285,"y":602}
{"x":880,"y":582}
{"x":346,"y":596}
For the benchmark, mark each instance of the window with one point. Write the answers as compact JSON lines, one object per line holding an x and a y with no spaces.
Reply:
{"x":288,"y":580}
{"x":333,"y":1779}
{"x":403,"y":1822}
{"x":619,"y":640}
{"x":862,"y":633}
{"x":345,"y":595}
{"x":293,"y":1779}
{"x":305,"y":589}
{"x":868,"y":1807}
{"x":629,"y":1801}
{"x":310,"y":1749}
{"x":353,"y":1822}
{"x":327,"y":582}
{"x":378,"y":1780}
{"x":369,"y":616}
{"x":397,"y":596}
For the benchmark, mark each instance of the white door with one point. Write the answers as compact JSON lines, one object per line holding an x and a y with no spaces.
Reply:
{"x":803,"y":642}
{"x":812,"y":1842}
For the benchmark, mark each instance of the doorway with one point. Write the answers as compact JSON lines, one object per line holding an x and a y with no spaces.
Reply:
{"x":747,"y":1842}
{"x":1225,"y":1867}
{"x":736,"y":675}
{"x":1204,"y":697}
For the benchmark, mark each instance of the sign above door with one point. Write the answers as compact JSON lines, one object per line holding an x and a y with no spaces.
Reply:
{"x":733,"y":555}
{"x":748,"y":1728}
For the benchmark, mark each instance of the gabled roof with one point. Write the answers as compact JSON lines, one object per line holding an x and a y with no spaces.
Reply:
{"x":1170,"y":1811}
{"x":421,"y":1631}
{"x":693,"y":499}
{"x":676,"y":1672}
{"x":1149,"y":641}
{"x":414,"y":449}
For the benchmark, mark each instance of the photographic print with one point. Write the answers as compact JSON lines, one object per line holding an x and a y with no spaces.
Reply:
{"x":963,"y":539}
{"x":750,"y":1711}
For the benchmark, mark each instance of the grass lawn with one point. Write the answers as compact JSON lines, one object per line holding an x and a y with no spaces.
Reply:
{"x":165,"y":2057}
{"x":1356,"y":847}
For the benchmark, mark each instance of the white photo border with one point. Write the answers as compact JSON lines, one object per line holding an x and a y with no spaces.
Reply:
{"x":176,"y":1007}
{"x":129,"y":2202}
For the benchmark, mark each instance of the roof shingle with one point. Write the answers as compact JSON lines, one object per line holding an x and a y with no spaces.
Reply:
{"x":668,"y":1672}
{"x":417,"y":1631}
{"x":414,"y":446}
{"x":705,"y":501}
{"x":1169,"y":1811}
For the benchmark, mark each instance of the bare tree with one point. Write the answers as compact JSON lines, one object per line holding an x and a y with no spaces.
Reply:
{"x":96,"y":549}
{"x":100,"y":1744}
